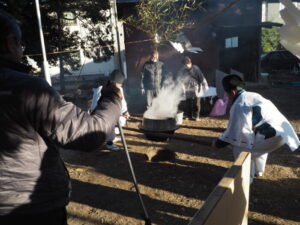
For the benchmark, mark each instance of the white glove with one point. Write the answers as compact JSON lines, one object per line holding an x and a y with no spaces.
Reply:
{"x":143,"y":91}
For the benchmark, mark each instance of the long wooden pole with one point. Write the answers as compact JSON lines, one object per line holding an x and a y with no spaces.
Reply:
{"x":146,"y":216}
{"x":206,"y":142}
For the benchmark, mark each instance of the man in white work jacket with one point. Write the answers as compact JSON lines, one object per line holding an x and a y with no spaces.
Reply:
{"x":255,"y":125}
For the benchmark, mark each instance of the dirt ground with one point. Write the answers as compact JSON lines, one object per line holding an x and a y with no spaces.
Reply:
{"x":175,"y":177}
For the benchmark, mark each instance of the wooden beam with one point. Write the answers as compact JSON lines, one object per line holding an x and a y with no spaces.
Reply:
{"x":202,"y":141}
{"x":229,"y":201}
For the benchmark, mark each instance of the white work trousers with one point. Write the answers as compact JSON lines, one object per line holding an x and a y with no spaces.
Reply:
{"x":259,"y":153}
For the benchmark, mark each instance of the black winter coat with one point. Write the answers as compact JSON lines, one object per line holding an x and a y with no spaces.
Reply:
{"x":153,"y":75}
{"x":35,"y":122}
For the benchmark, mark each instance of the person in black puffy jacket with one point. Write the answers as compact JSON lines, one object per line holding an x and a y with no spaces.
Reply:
{"x":153,"y":74}
{"x":35,"y":121}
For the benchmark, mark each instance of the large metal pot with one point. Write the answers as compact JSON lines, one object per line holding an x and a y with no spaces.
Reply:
{"x":153,"y":126}
{"x":159,"y":125}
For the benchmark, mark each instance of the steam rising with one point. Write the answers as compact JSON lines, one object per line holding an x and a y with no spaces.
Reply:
{"x":165,"y":105}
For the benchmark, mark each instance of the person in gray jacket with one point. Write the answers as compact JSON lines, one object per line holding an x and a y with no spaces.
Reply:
{"x":153,"y":74}
{"x":193,"y":81}
{"x":35,"y":123}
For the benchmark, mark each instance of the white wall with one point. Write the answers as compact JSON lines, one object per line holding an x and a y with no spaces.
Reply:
{"x":88,"y":66}
{"x":270,"y":11}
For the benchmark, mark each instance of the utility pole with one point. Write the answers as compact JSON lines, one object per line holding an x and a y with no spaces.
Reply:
{"x":45,"y":62}
{"x":121,"y":57}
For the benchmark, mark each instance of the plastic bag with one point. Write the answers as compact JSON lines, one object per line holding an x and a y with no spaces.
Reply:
{"x":220,"y":106}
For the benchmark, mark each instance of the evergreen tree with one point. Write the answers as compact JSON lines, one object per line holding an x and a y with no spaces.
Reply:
{"x":270,"y":39}
{"x":97,"y":43}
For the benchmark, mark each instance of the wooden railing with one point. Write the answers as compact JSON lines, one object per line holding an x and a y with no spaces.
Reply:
{"x":229,"y":201}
